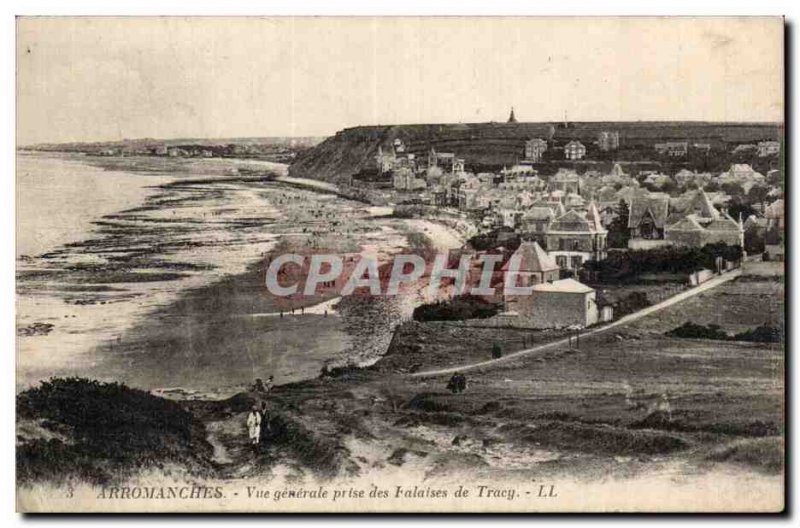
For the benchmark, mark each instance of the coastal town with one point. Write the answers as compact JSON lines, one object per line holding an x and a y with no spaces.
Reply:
{"x":645,"y":263}
{"x":570,"y":212}
{"x":401,"y":264}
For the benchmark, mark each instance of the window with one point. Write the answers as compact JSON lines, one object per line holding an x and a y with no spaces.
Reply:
{"x":576,"y":262}
{"x":561,"y":261}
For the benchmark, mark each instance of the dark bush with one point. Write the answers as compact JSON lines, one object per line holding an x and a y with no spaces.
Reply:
{"x":632,"y":302}
{"x":497,"y":352}
{"x":111,"y":428}
{"x":503,"y":237}
{"x":690,"y":330}
{"x":761,"y":334}
{"x":460,"y":308}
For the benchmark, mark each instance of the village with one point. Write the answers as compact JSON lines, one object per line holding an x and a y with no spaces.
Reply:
{"x":568,"y":223}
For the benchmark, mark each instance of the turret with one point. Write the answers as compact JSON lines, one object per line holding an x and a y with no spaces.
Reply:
{"x":511,"y":118}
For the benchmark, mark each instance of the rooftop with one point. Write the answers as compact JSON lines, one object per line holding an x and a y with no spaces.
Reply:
{"x":563,"y":286}
{"x":532,"y":258}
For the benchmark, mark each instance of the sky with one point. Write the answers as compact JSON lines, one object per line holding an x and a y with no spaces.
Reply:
{"x":88,"y":79}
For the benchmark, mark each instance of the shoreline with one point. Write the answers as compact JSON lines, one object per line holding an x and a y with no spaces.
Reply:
{"x":205,"y":296}
{"x":563,"y":415}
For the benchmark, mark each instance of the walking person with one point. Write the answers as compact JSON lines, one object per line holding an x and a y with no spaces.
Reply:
{"x":461,"y":382}
{"x":254,"y":426}
{"x":452,"y":384}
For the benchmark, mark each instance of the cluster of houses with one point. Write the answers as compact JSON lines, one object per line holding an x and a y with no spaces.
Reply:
{"x":563,"y":219}
{"x":657,"y":219}
{"x":564,"y":214}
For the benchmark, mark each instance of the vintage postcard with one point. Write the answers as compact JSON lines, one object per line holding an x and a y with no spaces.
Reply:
{"x":403,"y":264}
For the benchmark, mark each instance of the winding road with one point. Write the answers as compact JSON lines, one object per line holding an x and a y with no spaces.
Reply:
{"x":712,"y":283}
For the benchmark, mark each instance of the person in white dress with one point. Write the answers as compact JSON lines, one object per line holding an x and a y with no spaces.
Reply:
{"x":254,"y":425}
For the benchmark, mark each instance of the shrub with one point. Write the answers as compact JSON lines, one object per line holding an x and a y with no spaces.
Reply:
{"x":632,"y":302}
{"x":690,"y":330}
{"x":110,"y":427}
{"x":761,"y":334}
{"x":494,"y":239}
{"x":497,"y":352}
{"x":460,"y":308}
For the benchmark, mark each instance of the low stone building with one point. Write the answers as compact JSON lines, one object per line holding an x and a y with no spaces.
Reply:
{"x":557,"y":304}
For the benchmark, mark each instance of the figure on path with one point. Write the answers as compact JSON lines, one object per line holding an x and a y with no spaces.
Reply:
{"x":254,"y":426}
{"x":457,"y":383}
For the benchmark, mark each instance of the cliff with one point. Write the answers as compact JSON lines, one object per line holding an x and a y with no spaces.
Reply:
{"x":353,"y":149}
{"x":495,"y":144}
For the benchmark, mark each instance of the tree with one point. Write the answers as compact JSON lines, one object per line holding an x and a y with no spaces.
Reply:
{"x":737,"y":208}
{"x":754,"y":239}
{"x":735,"y":189}
{"x":618,"y":232}
{"x":757,"y":194}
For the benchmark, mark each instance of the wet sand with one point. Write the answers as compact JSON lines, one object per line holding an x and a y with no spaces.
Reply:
{"x":162,"y":294}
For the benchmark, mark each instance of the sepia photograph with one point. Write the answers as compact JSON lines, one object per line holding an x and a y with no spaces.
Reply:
{"x":400,"y":264}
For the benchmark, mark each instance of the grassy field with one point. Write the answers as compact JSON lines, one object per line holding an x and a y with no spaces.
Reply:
{"x":598,"y":410}
{"x":629,"y":404}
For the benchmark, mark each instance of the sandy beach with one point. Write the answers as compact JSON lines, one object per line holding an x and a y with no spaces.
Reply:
{"x":143,"y":294}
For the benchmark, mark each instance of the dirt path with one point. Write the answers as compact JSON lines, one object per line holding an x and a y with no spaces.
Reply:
{"x":221,"y":455}
{"x":713,"y":283}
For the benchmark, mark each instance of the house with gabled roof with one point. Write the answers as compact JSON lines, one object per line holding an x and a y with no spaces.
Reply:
{"x":532,"y":265}
{"x":536,"y":220}
{"x":551,"y":303}
{"x":574,"y":150}
{"x":697,"y":231}
{"x":688,"y":220}
{"x":577,"y":236}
